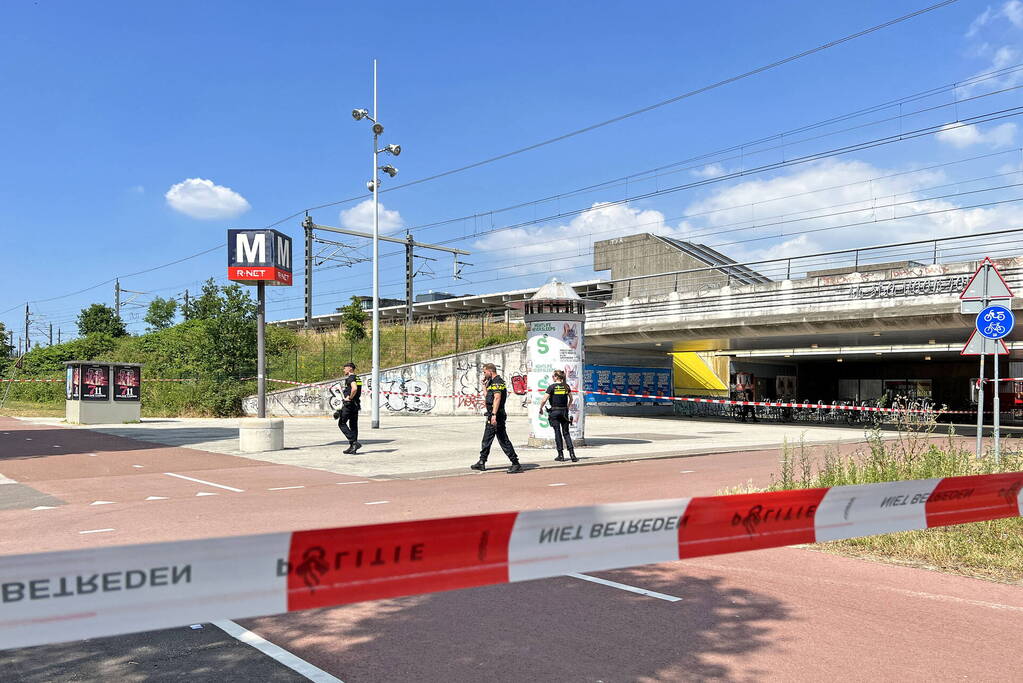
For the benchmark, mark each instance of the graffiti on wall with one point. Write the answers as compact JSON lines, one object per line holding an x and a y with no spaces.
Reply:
{"x":408,"y":394}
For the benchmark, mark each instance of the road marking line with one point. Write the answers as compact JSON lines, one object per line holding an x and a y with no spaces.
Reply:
{"x":557,"y":484}
{"x":624,"y":587}
{"x":93,"y":455}
{"x":56,"y":445}
{"x":138,"y":466}
{"x":43,"y":507}
{"x":204,"y":493}
{"x":342,"y":483}
{"x":157,"y":498}
{"x":296,"y":664}
{"x":208,"y":483}
{"x":687,"y":471}
{"x":377,"y":502}
{"x":102,"y":502}
{"x":6,"y":480}
{"x":285,"y":488}
{"x":27,"y":439}
{"x":94,"y":531}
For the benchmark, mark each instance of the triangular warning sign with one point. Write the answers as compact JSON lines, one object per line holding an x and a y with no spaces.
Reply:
{"x":996,"y":286}
{"x":978,"y":345}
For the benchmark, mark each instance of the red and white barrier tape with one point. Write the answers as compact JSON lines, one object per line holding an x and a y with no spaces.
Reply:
{"x":62,"y":379}
{"x":69,"y":595}
{"x":689,"y":399}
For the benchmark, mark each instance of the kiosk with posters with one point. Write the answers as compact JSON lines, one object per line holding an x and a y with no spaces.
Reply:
{"x":102,"y":393}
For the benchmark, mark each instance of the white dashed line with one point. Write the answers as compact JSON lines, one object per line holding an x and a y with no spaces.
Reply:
{"x":687,"y":471}
{"x":43,"y":507}
{"x":562,"y":484}
{"x":342,"y":483}
{"x":296,"y":664}
{"x":57,"y":445}
{"x":377,"y":502}
{"x":102,"y":502}
{"x":93,"y":455}
{"x":285,"y":488}
{"x":27,"y":439}
{"x":157,"y":498}
{"x":138,"y":467}
{"x":94,"y":531}
{"x":208,"y":483}
{"x":624,"y":587}
{"x":204,"y":493}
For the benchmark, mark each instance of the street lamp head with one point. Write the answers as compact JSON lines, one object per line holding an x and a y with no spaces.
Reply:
{"x":393,"y":149}
{"x":378,"y":129}
{"x":359,"y":114}
{"x":389,"y":170}
{"x":370,"y":185}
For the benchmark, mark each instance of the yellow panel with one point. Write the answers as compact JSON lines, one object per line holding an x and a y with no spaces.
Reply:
{"x":694,"y":375}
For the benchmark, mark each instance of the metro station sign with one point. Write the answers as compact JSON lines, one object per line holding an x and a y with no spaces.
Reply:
{"x":255,"y":256}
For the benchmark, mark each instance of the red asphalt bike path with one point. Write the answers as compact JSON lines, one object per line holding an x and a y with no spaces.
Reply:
{"x":785,"y":614}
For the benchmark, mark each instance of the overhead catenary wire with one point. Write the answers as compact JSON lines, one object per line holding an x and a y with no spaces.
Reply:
{"x":622,"y":117}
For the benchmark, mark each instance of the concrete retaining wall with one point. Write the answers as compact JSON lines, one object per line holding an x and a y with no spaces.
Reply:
{"x":451,"y":383}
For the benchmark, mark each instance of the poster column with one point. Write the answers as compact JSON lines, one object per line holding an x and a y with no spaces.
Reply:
{"x":554,"y":345}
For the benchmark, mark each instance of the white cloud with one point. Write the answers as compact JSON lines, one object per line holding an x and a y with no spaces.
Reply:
{"x":360,"y":217}
{"x":709,"y":171}
{"x":202,"y":199}
{"x":1013,"y":11}
{"x":827,"y":206}
{"x":961,"y":137}
{"x":980,"y":22}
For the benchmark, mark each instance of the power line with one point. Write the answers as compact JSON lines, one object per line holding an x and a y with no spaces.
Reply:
{"x":637,"y":112}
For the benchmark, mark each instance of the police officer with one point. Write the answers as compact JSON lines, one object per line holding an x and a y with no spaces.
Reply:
{"x":560,"y":397}
{"x":348,"y":417}
{"x":497,"y":397}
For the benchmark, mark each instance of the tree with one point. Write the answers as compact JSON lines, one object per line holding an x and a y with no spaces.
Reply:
{"x":6,"y":349}
{"x":353,"y":322}
{"x":161,"y":313}
{"x":207,"y":305}
{"x":100,"y":318}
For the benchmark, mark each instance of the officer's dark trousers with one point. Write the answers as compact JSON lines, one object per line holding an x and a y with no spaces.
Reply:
{"x":558,"y":419}
{"x":501,"y":433}
{"x":349,"y":423}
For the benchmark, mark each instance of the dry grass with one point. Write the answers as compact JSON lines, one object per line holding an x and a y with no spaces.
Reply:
{"x":31,"y":409}
{"x":320,"y":355}
{"x":989,"y":550}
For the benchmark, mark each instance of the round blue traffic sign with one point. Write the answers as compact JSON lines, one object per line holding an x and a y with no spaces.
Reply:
{"x":995,"y":322}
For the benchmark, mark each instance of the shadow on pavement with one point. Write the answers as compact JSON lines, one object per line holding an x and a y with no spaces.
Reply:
{"x":562,"y":629}
{"x":39,"y":443}
{"x":180,"y":654}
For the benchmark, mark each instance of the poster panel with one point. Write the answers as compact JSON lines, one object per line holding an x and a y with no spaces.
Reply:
{"x":95,"y":382}
{"x":554,"y":345}
{"x":127,"y":383}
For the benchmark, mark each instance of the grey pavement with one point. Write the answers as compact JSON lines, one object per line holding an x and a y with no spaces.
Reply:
{"x":428,"y":446}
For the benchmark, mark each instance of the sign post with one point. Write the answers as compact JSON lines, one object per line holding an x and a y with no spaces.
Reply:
{"x":259,"y":257}
{"x":993,"y":323}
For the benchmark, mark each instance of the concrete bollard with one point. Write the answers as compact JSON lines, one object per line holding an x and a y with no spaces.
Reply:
{"x":257,"y":434}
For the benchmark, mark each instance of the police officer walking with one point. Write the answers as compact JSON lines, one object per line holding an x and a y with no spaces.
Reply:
{"x":560,"y":396}
{"x":497,"y":397}
{"x":348,"y":417}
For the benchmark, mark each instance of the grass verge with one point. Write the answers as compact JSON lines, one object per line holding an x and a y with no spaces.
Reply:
{"x":990,"y":550}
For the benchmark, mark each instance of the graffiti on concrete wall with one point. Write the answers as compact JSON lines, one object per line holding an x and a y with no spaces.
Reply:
{"x":408,"y":394}
{"x":335,"y":395}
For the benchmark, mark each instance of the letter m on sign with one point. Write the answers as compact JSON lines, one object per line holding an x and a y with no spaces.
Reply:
{"x":250,"y":247}
{"x":255,"y":256}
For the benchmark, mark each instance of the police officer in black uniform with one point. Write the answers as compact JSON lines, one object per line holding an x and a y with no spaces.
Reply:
{"x":560,"y":396}
{"x":348,"y":417}
{"x":497,"y":397}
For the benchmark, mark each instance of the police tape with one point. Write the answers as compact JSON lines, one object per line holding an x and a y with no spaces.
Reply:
{"x":62,"y":379}
{"x":69,"y":595}
{"x":661,"y":397}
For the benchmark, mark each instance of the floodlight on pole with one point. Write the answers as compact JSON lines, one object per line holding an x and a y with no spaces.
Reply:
{"x":373,"y":186}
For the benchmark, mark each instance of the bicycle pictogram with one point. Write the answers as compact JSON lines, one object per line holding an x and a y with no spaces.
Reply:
{"x":995,"y":322}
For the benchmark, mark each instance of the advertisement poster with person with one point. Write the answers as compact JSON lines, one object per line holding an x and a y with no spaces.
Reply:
{"x":127,"y":383}
{"x":554,"y":345}
{"x":72,"y":385}
{"x":96,"y":383}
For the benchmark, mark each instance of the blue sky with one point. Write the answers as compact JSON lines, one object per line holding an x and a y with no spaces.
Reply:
{"x":244,"y":107}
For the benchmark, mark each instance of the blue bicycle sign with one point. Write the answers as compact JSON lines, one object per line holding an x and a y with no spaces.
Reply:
{"x":995,"y":322}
